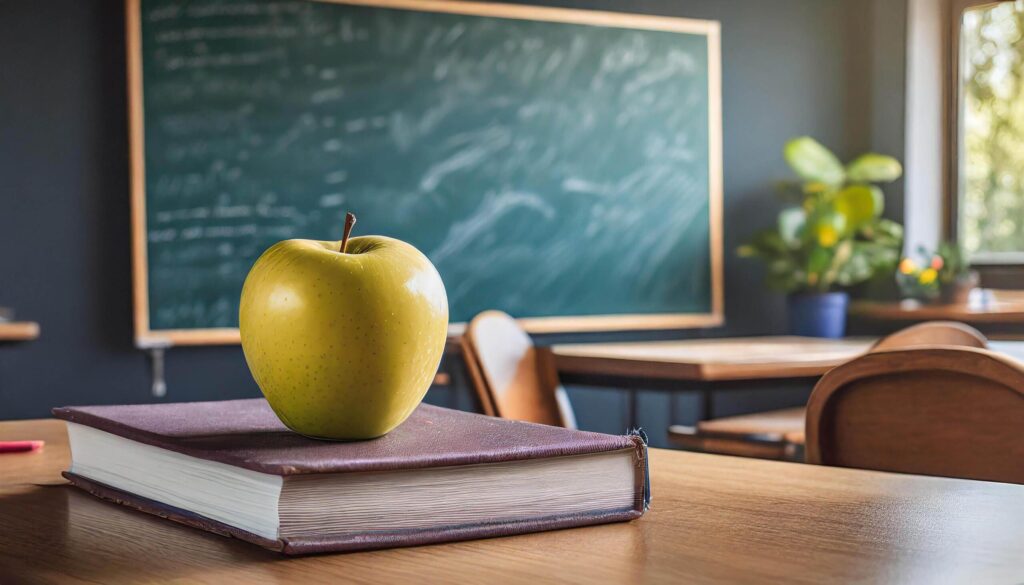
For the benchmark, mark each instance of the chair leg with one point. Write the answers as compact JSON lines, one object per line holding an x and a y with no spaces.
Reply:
{"x":631,"y":408}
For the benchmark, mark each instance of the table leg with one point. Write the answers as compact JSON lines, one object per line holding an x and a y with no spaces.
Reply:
{"x":707,"y":403}
{"x":631,"y":409}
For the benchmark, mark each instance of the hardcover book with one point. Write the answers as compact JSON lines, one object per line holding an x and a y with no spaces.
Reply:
{"x":231,"y":467}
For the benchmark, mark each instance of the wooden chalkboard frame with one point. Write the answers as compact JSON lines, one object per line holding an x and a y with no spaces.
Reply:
{"x":147,"y":338}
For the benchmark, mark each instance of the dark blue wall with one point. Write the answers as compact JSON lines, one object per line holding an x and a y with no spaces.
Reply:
{"x":64,"y":238}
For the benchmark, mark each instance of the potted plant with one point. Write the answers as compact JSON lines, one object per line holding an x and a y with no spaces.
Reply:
{"x":830,"y":237}
{"x":943,"y":275}
{"x":956,"y":279}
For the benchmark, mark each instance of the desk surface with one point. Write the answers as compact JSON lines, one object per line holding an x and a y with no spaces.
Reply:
{"x":19,"y":331}
{"x":999,"y":306}
{"x":741,"y":358}
{"x":714,"y":519}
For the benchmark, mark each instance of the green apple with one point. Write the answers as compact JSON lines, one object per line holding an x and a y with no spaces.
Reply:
{"x":343,"y":338}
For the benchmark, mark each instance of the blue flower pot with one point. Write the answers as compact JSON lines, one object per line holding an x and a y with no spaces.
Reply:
{"x":818,"y":314}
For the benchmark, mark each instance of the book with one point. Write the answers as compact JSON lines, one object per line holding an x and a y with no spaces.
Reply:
{"x":231,"y":467}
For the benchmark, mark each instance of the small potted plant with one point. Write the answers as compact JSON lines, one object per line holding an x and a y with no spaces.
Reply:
{"x":943,"y":275}
{"x":830,"y":237}
{"x":919,"y":279}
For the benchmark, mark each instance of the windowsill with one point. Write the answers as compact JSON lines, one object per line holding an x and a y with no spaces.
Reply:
{"x":1001,"y":275}
{"x":998,"y":259}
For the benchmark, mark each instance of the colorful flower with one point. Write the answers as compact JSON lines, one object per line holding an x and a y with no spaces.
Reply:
{"x":937,"y":262}
{"x":908,"y":266}
{"x":928,"y":276}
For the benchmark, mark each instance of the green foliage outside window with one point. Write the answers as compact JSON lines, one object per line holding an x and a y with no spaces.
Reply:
{"x":991,"y":210}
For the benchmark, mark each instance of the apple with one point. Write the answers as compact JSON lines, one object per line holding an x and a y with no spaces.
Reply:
{"x":343,"y":338}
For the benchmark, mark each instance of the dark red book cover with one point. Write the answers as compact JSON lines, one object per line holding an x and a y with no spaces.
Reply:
{"x":247,"y":434}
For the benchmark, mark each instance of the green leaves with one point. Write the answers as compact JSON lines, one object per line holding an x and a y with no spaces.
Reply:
{"x":818,"y":260}
{"x":859,"y":204}
{"x":858,"y":268}
{"x":884,"y":232}
{"x":832,"y":233}
{"x":765,"y":244}
{"x":829,"y":227}
{"x":874,"y":168}
{"x":816,"y":164}
{"x":813,"y":162}
{"x":791,"y":225}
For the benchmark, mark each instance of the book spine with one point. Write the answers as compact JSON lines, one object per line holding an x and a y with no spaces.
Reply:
{"x":643,"y":480}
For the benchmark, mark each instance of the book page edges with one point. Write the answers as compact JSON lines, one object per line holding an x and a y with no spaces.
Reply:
{"x":381,"y":539}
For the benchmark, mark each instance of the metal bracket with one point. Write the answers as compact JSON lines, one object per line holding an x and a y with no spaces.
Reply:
{"x":156,"y":357}
{"x":156,"y":352}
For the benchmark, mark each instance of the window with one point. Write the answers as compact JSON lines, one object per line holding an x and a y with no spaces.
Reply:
{"x":989,"y":194}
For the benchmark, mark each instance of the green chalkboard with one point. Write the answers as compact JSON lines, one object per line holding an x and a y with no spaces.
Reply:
{"x":551,"y":163}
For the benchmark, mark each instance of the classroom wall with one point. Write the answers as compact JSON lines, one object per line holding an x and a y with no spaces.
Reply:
{"x":64,"y":236}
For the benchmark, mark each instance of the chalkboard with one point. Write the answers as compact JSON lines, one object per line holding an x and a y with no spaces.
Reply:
{"x":561,"y":165}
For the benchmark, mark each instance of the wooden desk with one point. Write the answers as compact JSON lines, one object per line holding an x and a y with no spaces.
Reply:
{"x":701,"y":365}
{"x":711,"y":360}
{"x":1003,"y":307}
{"x":714,"y":519}
{"x":19,"y":331}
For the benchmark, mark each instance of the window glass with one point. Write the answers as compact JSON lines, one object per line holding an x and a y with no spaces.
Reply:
{"x":991,"y":191}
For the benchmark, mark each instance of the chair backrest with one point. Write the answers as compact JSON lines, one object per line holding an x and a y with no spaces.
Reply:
{"x":939,"y":410}
{"x":513,"y":378}
{"x":933,"y":333}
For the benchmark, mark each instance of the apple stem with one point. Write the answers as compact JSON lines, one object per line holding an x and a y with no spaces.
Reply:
{"x":350,"y":221}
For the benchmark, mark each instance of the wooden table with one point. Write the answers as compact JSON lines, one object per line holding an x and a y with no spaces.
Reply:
{"x":711,"y":360}
{"x":702,"y":365}
{"x":991,"y":307}
{"x":19,"y":331}
{"x":713,"y":519}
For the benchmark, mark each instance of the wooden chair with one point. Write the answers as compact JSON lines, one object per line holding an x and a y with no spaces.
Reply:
{"x":775,"y":434}
{"x":779,"y":434}
{"x":933,"y":410}
{"x":513,"y":378}
{"x":933,"y":333}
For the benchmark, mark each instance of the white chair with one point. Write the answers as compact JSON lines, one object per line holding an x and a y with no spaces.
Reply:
{"x":513,"y":378}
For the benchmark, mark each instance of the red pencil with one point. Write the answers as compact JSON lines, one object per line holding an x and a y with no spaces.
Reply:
{"x":20,"y":446}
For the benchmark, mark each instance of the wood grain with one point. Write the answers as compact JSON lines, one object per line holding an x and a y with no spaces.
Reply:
{"x":948,"y":411}
{"x":933,"y":333}
{"x":137,"y":158}
{"x":711,"y":359}
{"x":42,"y":467}
{"x":714,"y":519}
{"x":548,"y":14}
{"x":19,"y":331}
